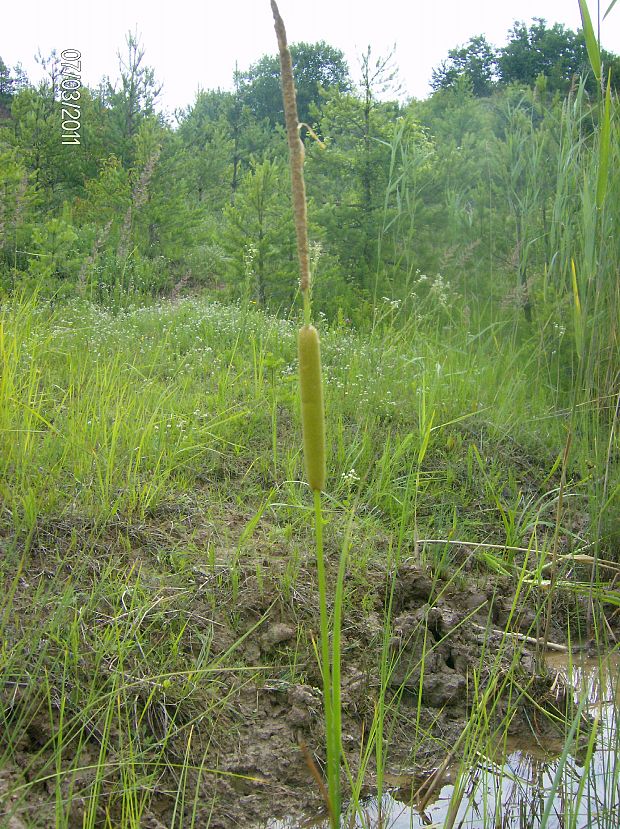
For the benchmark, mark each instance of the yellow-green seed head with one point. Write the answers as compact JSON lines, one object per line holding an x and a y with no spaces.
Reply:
{"x":312,"y":410}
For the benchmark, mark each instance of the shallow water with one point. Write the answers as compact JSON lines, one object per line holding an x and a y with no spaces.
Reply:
{"x":515,"y":791}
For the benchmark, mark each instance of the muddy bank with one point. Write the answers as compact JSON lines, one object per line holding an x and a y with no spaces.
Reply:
{"x":517,"y":778}
{"x":438,"y":638}
{"x":223,"y":716}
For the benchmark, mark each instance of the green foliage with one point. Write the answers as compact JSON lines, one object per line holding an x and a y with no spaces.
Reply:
{"x":221,"y":135}
{"x":17,"y":200}
{"x":259,"y":236}
{"x":550,"y":57}
{"x":555,"y":52}
{"x":13,"y":187}
{"x":107,"y":196}
{"x":316,"y":67}
{"x":6,"y":85}
{"x":34,"y":129}
{"x":207,"y":137}
{"x":53,"y":254}
{"x":347,"y":178}
{"x":472,"y":237}
{"x":133,"y":100}
{"x":490,"y":194}
{"x":476,"y":62}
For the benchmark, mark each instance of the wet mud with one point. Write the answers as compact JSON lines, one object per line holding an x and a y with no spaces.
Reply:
{"x":251,"y":764}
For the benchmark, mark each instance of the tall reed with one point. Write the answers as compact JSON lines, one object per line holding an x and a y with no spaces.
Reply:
{"x":313,"y":427}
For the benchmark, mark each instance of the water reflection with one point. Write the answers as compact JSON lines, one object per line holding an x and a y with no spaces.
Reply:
{"x":514,"y":793}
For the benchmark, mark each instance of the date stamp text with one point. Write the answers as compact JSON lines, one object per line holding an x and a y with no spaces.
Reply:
{"x":70,"y":85}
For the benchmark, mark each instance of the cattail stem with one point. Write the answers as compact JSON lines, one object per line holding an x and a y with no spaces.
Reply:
{"x":332,"y":736}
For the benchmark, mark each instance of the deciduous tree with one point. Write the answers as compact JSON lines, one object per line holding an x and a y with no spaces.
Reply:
{"x":476,"y":63}
{"x":316,"y":67}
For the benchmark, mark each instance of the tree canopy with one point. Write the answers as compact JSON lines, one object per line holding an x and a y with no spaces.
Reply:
{"x":476,"y":62}
{"x":555,"y":53}
{"x":316,"y":67}
{"x":393,"y":187}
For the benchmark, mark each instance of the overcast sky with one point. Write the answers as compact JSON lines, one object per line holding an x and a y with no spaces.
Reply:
{"x":194,"y":45}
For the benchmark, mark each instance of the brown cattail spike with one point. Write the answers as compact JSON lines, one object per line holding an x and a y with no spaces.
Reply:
{"x":296,"y":151}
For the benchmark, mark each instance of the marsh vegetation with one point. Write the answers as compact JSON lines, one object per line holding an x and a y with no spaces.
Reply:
{"x":164,"y":639}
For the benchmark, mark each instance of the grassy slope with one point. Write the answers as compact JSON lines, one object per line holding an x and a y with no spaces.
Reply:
{"x":151,"y":459}
{"x":109,"y":416}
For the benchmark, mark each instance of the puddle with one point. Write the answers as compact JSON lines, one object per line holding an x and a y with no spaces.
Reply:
{"x":515,"y":791}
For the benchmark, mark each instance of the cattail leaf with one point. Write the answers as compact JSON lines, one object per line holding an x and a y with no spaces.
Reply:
{"x":312,"y":409}
{"x":604,"y":149}
{"x":577,"y":316}
{"x":426,"y":438}
{"x":611,"y":5}
{"x":594,"y":53}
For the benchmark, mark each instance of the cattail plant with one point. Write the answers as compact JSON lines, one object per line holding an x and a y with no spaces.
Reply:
{"x":313,"y":427}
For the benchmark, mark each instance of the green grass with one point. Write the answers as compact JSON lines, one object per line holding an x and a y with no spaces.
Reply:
{"x":161,"y":603}
{"x":154,"y":523}
{"x":107,"y":416}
